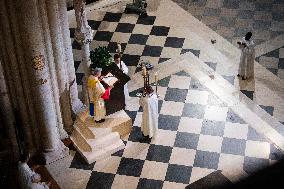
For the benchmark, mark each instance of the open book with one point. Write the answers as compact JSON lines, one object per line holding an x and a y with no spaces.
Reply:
{"x":110,"y":79}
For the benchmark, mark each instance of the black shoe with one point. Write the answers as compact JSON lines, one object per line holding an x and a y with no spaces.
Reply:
{"x":100,"y":121}
{"x":238,"y":75}
{"x":243,"y":78}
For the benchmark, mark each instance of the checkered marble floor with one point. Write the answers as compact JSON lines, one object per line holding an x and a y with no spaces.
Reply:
{"x":198,"y":134}
{"x":273,"y":61}
{"x":142,"y":40}
{"x":156,"y":40}
{"x":234,"y":18}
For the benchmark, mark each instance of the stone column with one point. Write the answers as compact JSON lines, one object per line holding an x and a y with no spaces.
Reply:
{"x":77,"y":105}
{"x":52,"y":69}
{"x":84,"y":36}
{"x":6,"y":113}
{"x":59,"y":60}
{"x":40,"y":81}
{"x":10,"y":62}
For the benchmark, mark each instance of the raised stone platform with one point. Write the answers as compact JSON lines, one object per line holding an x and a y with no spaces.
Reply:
{"x":95,"y":141}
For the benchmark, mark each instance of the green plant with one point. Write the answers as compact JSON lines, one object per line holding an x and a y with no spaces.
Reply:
{"x":100,"y":57}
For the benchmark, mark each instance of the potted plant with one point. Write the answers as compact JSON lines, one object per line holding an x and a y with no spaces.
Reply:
{"x":101,"y":57}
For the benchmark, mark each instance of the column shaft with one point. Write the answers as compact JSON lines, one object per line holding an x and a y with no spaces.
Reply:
{"x":58,"y":53}
{"x":52,"y":68}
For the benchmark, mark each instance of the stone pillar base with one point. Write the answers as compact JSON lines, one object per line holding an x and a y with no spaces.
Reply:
{"x":78,"y":106}
{"x":61,"y":152}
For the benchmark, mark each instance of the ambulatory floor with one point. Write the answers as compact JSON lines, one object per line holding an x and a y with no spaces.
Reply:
{"x":208,"y":120}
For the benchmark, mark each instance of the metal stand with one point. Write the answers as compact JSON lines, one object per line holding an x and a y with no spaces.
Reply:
{"x":138,"y":7}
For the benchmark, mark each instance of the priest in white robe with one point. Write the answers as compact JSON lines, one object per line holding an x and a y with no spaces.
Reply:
{"x":246,"y":66}
{"x":97,"y":95}
{"x":124,"y":69}
{"x":25,"y":172}
{"x":149,"y":103}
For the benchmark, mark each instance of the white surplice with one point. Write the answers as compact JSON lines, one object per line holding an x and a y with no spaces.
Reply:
{"x":149,"y":125}
{"x":124,"y":69}
{"x":25,"y":175}
{"x":246,"y":66}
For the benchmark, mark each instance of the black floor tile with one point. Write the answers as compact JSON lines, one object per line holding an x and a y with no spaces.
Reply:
{"x":76,"y":65}
{"x":149,"y":184}
{"x":186,"y":140}
{"x":213,"y":128}
{"x":94,"y":24}
{"x":100,"y":180}
{"x":177,"y":95}
{"x":76,"y":45}
{"x":164,"y":82}
{"x":72,"y":32}
{"x":160,"y":30}
{"x":138,"y":39}
{"x":153,"y":51}
{"x":168,"y":122}
{"x":249,"y":94}
{"x":79,"y":78}
{"x":125,"y":27}
{"x":174,"y":42}
{"x":112,"y":17}
{"x":137,"y":136}
{"x":112,"y":47}
{"x":130,"y":167}
{"x":149,"y":20}
{"x":178,"y":173}
{"x":103,"y":36}
{"x":130,"y":60}
{"x":275,"y":153}
{"x":233,"y":146}
{"x":159,"y":153}
{"x":252,"y":165}
{"x":209,"y":160}
{"x":213,"y":180}
{"x":268,"y":109}
{"x":78,"y":162}
{"x":254,"y":135}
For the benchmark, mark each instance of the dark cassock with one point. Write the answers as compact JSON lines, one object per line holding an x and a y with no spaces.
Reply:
{"x":116,"y":100}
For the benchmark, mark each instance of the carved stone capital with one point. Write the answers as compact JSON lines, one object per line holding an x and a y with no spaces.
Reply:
{"x":84,"y":37}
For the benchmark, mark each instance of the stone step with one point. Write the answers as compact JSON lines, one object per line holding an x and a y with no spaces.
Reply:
{"x":96,"y":155}
{"x":117,"y":122}
{"x":105,"y":141}
{"x":84,"y":130}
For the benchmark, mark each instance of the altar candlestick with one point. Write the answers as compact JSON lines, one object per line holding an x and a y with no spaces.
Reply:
{"x":144,"y":70}
{"x":156,"y":82}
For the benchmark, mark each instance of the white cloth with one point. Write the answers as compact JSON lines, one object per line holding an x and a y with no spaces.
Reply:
{"x":124,"y":68}
{"x":150,"y":115}
{"x":95,"y":95}
{"x":39,"y":185}
{"x":25,"y":175}
{"x":246,"y":66}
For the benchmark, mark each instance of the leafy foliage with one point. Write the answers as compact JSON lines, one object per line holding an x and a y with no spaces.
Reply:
{"x":100,"y":57}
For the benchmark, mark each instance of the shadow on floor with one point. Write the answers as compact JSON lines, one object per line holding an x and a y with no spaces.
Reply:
{"x":270,"y":177}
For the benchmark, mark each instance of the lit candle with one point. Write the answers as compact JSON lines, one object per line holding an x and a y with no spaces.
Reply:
{"x":144,"y":70}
